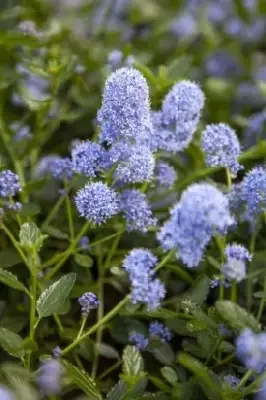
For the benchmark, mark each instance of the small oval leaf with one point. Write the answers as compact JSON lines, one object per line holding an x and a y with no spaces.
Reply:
{"x":11,"y":280}
{"x":53,"y":298}
{"x":11,"y":343}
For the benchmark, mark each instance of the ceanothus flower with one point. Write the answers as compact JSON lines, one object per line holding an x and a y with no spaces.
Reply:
{"x":136,"y":210}
{"x":49,"y":377}
{"x":97,"y":202}
{"x":235,"y":265}
{"x":145,"y":289}
{"x":250,"y":349}
{"x":56,"y":352}
{"x":139,"y":167}
{"x":115,"y":60}
{"x":88,"y":301}
{"x":158,"y":329}
{"x":139,"y":340}
{"x":165,"y":174}
{"x":61,"y":169}
{"x":9,"y":183}
{"x":46,"y":165}
{"x":231,"y":380}
{"x":221,"y":147}
{"x":84,"y":243}
{"x":181,"y":110}
{"x":261,"y":394}
{"x":201,"y":212}
{"x":125,"y":111}
{"x":86,"y":158}
{"x":254,"y":190}
{"x":6,"y":394}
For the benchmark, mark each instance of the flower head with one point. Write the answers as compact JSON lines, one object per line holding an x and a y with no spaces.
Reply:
{"x":84,"y":243}
{"x":88,"y":301}
{"x":139,"y":340}
{"x":165,"y":174}
{"x":254,"y":190}
{"x":235,"y":265}
{"x":201,"y":211}
{"x":86,"y":158}
{"x":9,"y":183}
{"x":161,"y":331}
{"x":139,"y":166}
{"x":97,"y":202}
{"x":251,"y":350}
{"x":49,"y":378}
{"x":56,"y":352}
{"x":221,"y":147}
{"x":180,"y":115}
{"x":136,"y":210}
{"x":125,"y":111}
{"x":61,"y":168}
{"x":5,"y":393}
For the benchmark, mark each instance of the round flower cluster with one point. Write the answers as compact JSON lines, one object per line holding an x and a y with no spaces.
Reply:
{"x":49,"y":377}
{"x":88,"y":301}
{"x":9,"y":184}
{"x":156,"y":330}
{"x":251,"y":350}
{"x":234,"y":268}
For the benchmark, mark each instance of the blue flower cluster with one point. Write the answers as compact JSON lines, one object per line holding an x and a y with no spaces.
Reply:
{"x":6,"y":394}
{"x":157,"y":330}
{"x":49,"y":377}
{"x":145,"y":288}
{"x":165,"y":174}
{"x":254,"y":190}
{"x":9,"y":184}
{"x":251,"y":350}
{"x":87,"y":158}
{"x":221,"y":147}
{"x":136,"y":210}
{"x":202,"y":211}
{"x":116,"y":60}
{"x":234,"y":268}
{"x":88,"y":301}
{"x":97,"y":202}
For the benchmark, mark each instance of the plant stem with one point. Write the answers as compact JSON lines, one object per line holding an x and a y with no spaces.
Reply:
{"x":96,"y":326}
{"x":245,"y":378}
{"x":33,"y":291}
{"x":69,"y":213}
{"x":164,"y":261}
{"x":228,"y":179}
{"x":234,"y":291}
{"x":109,"y":370}
{"x":84,"y":320}
{"x":59,"y":323}
{"x":16,"y":244}
{"x":249,"y":283}
{"x":53,"y":212}
{"x":262,"y":301}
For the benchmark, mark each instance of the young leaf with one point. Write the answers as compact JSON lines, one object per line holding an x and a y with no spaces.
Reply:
{"x":83,"y":260}
{"x":169,"y":374}
{"x":9,"y":258}
{"x":107,"y":351}
{"x":11,"y":280}
{"x":236,"y":316}
{"x":11,"y":343}
{"x":31,"y":237}
{"x":83,"y":381}
{"x":118,"y":391}
{"x":209,"y":384}
{"x":53,"y":298}
{"x":132,"y":362}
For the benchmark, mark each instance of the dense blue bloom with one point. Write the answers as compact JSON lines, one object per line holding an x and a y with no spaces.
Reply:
{"x":97,"y":202}
{"x":139,"y":167}
{"x":125,"y":111}
{"x":49,"y":378}
{"x":86,"y":158}
{"x":217,"y":281}
{"x":221,"y":147}
{"x":139,"y":340}
{"x":235,"y":265}
{"x":255,"y":130}
{"x":88,"y":301}
{"x":161,"y":331}
{"x":202,"y":211}
{"x":9,"y":183}
{"x":136,"y":210}
{"x":165,"y":174}
{"x":61,"y":169}
{"x":254,"y":190}
{"x":5,"y":393}
{"x":144,"y":287}
{"x":181,"y":110}
{"x":222,"y":64}
{"x":251,"y":350}
{"x":46,"y":165}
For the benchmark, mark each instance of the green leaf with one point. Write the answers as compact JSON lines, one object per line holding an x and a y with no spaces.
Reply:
{"x":53,"y":298}
{"x":170,"y":375}
{"x":164,"y":354}
{"x":11,"y":343}
{"x":133,"y":368}
{"x":107,"y":351}
{"x":31,"y":237}
{"x":237,"y":317}
{"x":118,"y":391}
{"x":9,"y":258}
{"x":83,"y":260}
{"x":11,"y":280}
{"x":54,"y":232}
{"x":209,"y":384}
{"x":82,"y":381}
{"x":200,"y":291}
{"x":179,"y":68}
{"x":29,"y":210}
